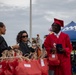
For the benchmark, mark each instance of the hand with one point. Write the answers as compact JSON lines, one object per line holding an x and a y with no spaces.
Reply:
{"x":61,"y":49}
{"x":15,"y":46}
{"x":53,"y":50}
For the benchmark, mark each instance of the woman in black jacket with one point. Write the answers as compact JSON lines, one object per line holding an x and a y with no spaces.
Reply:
{"x":22,"y":40}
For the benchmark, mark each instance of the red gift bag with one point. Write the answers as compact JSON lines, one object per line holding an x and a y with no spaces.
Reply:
{"x":53,"y":60}
{"x":3,"y":66}
{"x":28,"y":68}
{"x":44,"y":66}
{"x":20,"y":69}
{"x":12,"y":65}
{"x":7,"y":72}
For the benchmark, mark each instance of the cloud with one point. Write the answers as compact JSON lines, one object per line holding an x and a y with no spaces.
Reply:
{"x":70,"y":0}
{"x":61,"y":15}
{"x":17,"y":3}
{"x":16,"y":15}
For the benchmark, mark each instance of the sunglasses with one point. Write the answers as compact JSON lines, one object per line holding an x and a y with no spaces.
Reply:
{"x":24,"y":36}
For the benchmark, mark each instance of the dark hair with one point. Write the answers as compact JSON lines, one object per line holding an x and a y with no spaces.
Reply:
{"x":19,"y":36}
{"x":1,"y":24}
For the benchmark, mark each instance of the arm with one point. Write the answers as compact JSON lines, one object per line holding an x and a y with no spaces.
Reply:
{"x":68,"y":47}
{"x":47,"y":44}
{"x":3,"y":44}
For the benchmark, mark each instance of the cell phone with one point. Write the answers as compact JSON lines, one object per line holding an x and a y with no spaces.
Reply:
{"x":59,"y":47}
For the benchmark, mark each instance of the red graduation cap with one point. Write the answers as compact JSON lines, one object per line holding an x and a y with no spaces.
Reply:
{"x":59,"y":22}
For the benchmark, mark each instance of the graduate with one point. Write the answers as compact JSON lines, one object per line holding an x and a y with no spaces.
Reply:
{"x":59,"y":42}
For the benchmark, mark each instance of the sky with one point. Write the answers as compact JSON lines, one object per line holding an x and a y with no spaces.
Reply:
{"x":15,"y":14}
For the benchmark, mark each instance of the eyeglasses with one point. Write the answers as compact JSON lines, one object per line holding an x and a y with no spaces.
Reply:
{"x":25,"y":36}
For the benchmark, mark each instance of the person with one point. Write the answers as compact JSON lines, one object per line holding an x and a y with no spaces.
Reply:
{"x":3,"y":43}
{"x":22,"y":40}
{"x":44,"y":40}
{"x":34,"y":44}
{"x":44,"y":53}
{"x":53,"y":42}
{"x":38,"y":40}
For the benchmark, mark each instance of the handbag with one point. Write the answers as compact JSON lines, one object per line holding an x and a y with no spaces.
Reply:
{"x":31,"y":67}
{"x":53,"y":59}
{"x":44,"y":66}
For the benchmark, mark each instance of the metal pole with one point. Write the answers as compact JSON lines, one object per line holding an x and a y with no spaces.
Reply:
{"x":30,"y":20}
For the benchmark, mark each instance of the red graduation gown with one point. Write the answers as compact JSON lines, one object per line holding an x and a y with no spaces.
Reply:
{"x":65,"y":63}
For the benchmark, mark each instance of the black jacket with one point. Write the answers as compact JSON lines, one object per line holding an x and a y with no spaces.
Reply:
{"x":25,"y":48}
{"x":3,"y":45}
